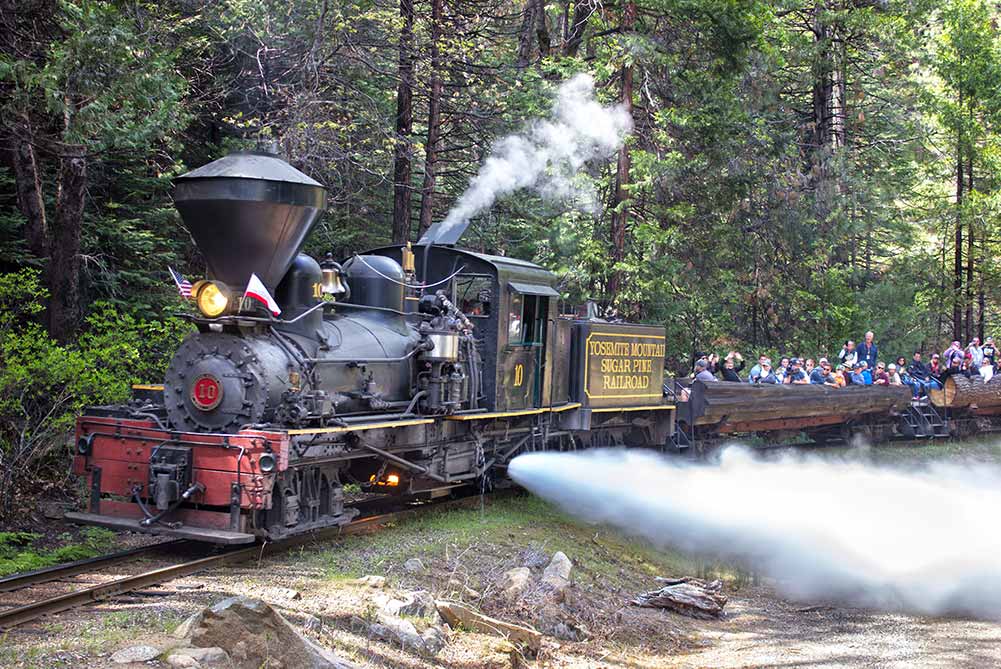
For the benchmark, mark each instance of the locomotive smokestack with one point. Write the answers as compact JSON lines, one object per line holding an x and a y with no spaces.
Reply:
{"x":248,"y":213}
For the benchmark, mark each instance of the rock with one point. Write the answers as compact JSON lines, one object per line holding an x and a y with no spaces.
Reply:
{"x":370,"y":581}
{"x":556,"y":576}
{"x":553,"y":621}
{"x":396,"y":629}
{"x":313,"y":624}
{"x":413,"y":565}
{"x":435,"y":639}
{"x":185,"y":629}
{"x":515,"y":581}
{"x":135,"y":654}
{"x":52,"y":510}
{"x":456,"y":614}
{"x":197,"y":657}
{"x":419,"y":603}
{"x":255,"y":635}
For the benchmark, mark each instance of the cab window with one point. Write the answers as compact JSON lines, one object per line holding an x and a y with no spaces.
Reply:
{"x":527,"y":319}
{"x":474,"y":295}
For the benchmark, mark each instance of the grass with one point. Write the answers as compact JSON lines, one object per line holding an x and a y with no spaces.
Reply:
{"x":504,"y":534}
{"x":19,"y":551}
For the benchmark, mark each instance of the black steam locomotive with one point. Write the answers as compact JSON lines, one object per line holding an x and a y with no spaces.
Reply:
{"x":411,"y":370}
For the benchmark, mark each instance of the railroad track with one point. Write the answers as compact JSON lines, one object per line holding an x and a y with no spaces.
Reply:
{"x":19,"y":615}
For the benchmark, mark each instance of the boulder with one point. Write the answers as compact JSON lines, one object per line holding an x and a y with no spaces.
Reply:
{"x":515,"y":581}
{"x":135,"y":654}
{"x":194,"y":658}
{"x":254,"y":635}
{"x":413,"y":566}
{"x":313,"y":624}
{"x":397,"y":630}
{"x":556,"y":576}
{"x":419,"y":604}
{"x":460,"y":615}
{"x":435,"y":638}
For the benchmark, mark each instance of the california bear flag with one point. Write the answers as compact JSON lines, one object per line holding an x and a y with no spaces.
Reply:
{"x":257,"y":291}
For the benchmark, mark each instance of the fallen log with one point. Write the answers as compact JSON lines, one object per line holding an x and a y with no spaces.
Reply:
{"x":960,"y":391}
{"x":723,"y":402}
{"x":456,"y":615}
{"x":690,"y":597}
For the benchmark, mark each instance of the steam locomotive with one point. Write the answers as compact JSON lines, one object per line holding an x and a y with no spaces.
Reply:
{"x":404,"y":369}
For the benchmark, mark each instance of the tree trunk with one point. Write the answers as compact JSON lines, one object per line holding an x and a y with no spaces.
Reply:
{"x":620,"y":208}
{"x":959,"y":391}
{"x":404,"y":127}
{"x":526,"y":34}
{"x":576,"y":27}
{"x":64,"y":261}
{"x":542,"y":29}
{"x":969,"y":251}
{"x":957,"y":267}
{"x":28,"y":183}
{"x":434,"y":119}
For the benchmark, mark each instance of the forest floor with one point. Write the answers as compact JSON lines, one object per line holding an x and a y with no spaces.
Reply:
{"x":463,"y":554}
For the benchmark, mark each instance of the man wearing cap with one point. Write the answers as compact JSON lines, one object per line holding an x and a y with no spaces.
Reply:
{"x":866,"y":373}
{"x":796,"y":375}
{"x":856,"y":375}
{"x":990,"y":352}
{"x":702,"y":372}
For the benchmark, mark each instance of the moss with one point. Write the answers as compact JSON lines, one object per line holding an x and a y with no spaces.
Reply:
{"x":19,"y":553}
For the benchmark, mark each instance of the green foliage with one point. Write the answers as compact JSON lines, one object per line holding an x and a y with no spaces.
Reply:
{"x":44,"y":385}
{"x":17,"y":553}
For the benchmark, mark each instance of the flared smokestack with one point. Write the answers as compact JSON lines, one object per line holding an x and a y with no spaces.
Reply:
{"x":248,"y":213}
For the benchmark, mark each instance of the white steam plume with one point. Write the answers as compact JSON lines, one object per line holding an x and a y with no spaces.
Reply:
{"x":547,"y":154}
{"x":926,"y":541}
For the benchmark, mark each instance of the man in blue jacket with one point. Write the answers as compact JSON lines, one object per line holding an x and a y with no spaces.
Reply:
{"x":868,"y":352}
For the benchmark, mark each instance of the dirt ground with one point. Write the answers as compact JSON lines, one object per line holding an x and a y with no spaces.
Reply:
{"x":463,"y":554}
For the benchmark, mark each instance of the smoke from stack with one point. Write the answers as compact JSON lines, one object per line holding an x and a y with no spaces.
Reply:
{"x":921,"y":540}
{"x":546,"y":156}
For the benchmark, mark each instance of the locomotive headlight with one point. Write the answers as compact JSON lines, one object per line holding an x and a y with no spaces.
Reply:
{"x":84,"y":445}
{"x":267,"y":463}
{"x":212,"y":298}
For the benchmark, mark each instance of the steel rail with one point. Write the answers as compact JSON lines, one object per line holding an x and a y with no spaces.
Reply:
{"x":56,"y":572}
{"x":97,"y":593}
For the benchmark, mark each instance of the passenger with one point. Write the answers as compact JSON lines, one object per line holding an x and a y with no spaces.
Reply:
{"x":866,"y":373}
{"x":848,"y":355}
{"x":729,"y":371}
{"x":809,"y":366}
{"x":868,"y":352}
{"x":880,"y":377}
{"x":949,"y":352}
{"x":857,"y":377}
{"x":918,"y":376}
{"x":955,"y":367}
{"x":990,"y":352}
{"x":841,"y":376}
{"x":702,"y":372}
{"x":893,"y":372}
{"x":935,"y":369}
{"x":796,"y":375}
{"x":821,"y":376}
{"x":975,"y":352}
{"x":783,"y":369}
{"x":968,"y":367}
{"x":986,"y":370}
{"x":756,"y":370}
{"x":766,"y":375}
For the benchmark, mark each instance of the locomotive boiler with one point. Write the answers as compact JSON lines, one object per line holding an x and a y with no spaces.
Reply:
{"x":402,"y":370}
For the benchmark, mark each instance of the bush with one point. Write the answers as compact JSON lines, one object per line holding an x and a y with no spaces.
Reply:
{"x":44,"y":385}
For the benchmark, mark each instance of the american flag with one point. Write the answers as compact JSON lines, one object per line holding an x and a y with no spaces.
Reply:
{"x":183,"y":285}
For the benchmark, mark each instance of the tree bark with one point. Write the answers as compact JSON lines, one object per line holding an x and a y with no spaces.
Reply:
{"x":404,"y":127}
{"x":620,"y":208}
{"x":576,"y":27}
{"x":959,"y":391}
{"x":969,"y":251}
{"x":526,"y":34}
{"x":434,"y":119}
{"x":957,"y":267}
{"x":63,"y":272}
{"x":28,"y":183}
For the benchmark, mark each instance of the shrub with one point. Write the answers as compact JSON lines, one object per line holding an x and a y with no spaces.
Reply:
{"x":44,"y":385}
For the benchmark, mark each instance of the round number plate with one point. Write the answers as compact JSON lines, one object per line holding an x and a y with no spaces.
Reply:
{"x":206,"y":392}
